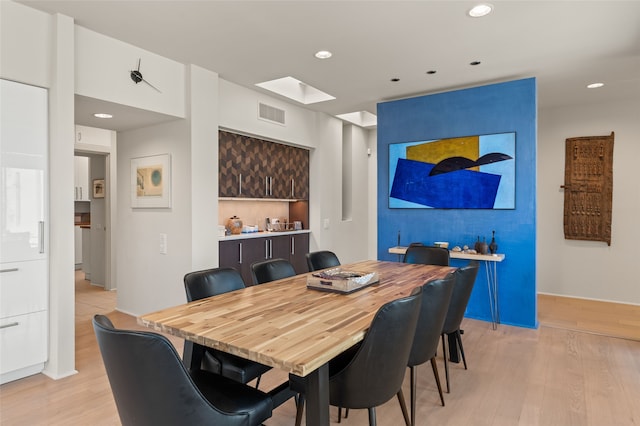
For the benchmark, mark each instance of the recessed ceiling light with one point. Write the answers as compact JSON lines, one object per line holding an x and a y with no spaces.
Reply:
{"x":594,"y":85}
{"x":480,"y":10}
{"x":323,"y":54}
{"x":395,"y":79}
{"x":431,"y":72}
{"x":102,"y":115}
{"x":474,"y":63}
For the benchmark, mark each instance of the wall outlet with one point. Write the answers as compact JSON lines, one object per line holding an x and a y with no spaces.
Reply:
{"x":163,"y":243}
{"x":325,"y":224}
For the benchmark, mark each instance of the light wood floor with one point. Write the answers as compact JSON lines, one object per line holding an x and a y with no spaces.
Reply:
{"x":549,"y":376}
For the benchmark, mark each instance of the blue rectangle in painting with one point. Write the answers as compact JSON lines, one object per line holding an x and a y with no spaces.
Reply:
{"x":462,"y":189}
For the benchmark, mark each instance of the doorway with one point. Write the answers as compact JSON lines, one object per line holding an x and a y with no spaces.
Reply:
{"x":93,"y":218}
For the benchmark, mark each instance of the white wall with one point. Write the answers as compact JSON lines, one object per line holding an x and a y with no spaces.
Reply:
{"x":239,"y":111}
{"x":103,"y":66}
{"x":147,"y":280}
{"x":589,"y":269}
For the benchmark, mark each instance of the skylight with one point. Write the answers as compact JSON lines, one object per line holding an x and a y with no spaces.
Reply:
{"x":297,"y":90}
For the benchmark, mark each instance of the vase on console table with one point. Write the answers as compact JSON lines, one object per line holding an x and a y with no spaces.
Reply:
{"x":493,"y":247}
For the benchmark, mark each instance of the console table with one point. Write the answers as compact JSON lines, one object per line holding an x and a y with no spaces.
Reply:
{"x":490,"y":262}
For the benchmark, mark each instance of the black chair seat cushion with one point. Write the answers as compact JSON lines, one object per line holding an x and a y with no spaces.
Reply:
{"x":233,"y":397}
{"x":237,"y":368}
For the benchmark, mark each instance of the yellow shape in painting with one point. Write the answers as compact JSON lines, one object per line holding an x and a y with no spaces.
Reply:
{"x":436,"y":151}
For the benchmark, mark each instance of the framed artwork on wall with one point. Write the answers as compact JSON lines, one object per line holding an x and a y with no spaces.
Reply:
{"x":98,"y":188}
{"x":471,"y":172}
{"x":151,"y":181}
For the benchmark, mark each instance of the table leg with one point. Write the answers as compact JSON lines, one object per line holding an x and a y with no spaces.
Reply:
{"x":492,"y":287}
{"x":317,"y":396}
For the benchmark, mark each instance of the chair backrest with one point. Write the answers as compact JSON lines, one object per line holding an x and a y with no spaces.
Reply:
{"x":376,"y":372}
{"x":427,"y":255}
{"x":210,"y":282}
{"x":321,"y":260}
{"x":149,"y":382}
{"x":436,"y":296}
{"x":465,"y":279}
{"x":271,"y":270}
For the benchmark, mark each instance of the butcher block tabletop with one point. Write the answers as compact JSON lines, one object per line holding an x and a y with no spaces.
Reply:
{"x":284,"y":324}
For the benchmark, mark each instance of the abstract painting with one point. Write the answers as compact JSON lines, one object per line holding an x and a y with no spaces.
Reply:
{"x":471,"y":172}
{"x":151,"y":182}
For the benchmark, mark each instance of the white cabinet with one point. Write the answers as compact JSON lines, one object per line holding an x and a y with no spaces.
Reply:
{"x":24,"y":278}
{"x":81,"y":178}
{"x":93,"y":136}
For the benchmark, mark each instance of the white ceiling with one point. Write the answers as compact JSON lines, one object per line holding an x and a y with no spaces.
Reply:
{"x":564,"y":44}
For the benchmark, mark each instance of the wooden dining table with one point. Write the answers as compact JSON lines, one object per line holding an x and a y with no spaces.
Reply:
{"x":288,"y":326}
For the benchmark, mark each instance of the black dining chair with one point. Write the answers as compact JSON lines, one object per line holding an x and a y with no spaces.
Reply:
{"x":371,"y":373}
{"x":211,"y":282}
{"x":322,"y":259}
{"x":465,"y":279}
{"x":151,"y":385}
{"x":271,"y":270}
{"x":436,"y":296}
{"x":427,"y":255}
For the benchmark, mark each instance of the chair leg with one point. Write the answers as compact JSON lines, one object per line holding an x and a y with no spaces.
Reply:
{"x":446,"y":366}
{"x":459,"y":339}
{"x":434,"y":366}
{"x":403,"y":407}
{"x":372,"y":416}
{"x":258,"y":381}
{"x":414,"y":384}
{"x":300,"y":410}
{"x":339,"y":414}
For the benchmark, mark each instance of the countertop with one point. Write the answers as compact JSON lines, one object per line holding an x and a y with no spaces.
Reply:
{"x":262,"y":234}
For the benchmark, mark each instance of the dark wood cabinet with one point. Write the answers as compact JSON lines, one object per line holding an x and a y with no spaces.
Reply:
{"x":254,"y":168}
{"x":299,"y":173}
{"x":299,"y":248}
{"x":240,"y":254}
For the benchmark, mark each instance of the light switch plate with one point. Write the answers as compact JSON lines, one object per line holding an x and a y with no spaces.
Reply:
{"x":163,"y":243}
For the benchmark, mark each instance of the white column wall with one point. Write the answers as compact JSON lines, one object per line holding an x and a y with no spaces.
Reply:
{"x":203,"y":89}
{"x":61,"y":245}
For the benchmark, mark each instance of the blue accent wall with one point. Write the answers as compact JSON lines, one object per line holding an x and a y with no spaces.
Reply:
{"x":496,"y":108}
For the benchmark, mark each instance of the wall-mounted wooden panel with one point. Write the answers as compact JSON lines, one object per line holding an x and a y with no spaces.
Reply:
{"x":588,"y":188}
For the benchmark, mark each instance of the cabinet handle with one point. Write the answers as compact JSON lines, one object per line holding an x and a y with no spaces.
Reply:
{"x":293,"y":245}
{"x":240,"y":254}
{"x":11,"y":324}
{"x":81,"y":193}
{"x":293,"y":188}
{"x":270,"y":249}
{"x":240,"y":184}
{"x":270,"y":185}
{"x":266,"y":249}
{"x":266,"y":185}
{"x":41,"y":235}
{"x":8,"y":270}
{"x":75,"y":193}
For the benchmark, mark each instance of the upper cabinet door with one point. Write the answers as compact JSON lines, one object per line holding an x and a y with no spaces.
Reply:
{"x":238,"y":166}
{"x":81,"y":177}
{"x":23,"y":174}
{"x":299,"y":166}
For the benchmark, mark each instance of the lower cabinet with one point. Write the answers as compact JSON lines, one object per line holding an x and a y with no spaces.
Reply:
{"x":23,"y":319}
{"x":240,"y":254}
